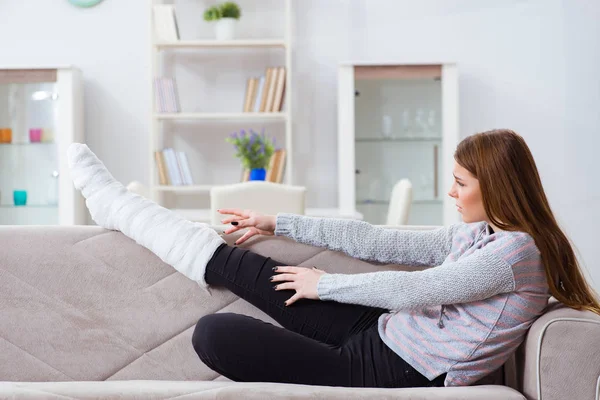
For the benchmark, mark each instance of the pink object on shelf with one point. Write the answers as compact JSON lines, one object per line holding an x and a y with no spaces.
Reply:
{"x":35,"y":134}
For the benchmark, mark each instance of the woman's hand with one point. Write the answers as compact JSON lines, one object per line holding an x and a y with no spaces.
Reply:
{"x":303,"y":280}
{"x":257,"y":223}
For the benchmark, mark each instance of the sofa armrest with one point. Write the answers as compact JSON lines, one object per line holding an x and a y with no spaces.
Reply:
{"x":560,"y":356}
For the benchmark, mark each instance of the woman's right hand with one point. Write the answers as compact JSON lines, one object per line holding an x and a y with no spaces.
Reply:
{"x":256,"y":223}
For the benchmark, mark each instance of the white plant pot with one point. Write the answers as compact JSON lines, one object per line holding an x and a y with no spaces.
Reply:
{"x":225,"y":28}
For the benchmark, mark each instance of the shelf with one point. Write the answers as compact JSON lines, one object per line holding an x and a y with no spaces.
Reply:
{"x":400,"y":139}
{"x":218,"y":116}
{"x":204,"y":44}
{"x":27,"y":144}
{"x":385,"y":203}
{"x":184,"y":188}
{"x":30,"y":206}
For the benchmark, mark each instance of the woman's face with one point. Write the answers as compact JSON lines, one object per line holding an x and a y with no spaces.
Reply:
{"x":465,"y":190}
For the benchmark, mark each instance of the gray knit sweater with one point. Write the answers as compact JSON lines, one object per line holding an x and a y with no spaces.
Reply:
{"x":464,"y":316}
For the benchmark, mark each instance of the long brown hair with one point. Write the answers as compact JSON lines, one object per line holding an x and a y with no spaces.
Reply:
{"x":514,"y":200}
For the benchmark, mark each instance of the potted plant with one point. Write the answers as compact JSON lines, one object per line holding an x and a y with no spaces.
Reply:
{"x":254,"y":150}
{"x":225,"y":17}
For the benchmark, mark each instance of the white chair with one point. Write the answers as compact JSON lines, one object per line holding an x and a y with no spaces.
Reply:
{"x":264,"y":197}
{"x":400,"y":201}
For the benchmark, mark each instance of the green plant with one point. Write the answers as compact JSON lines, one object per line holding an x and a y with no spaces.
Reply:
{"x":228,"y":9}
{"x":252,"y":149}
{"x":212,"y":14}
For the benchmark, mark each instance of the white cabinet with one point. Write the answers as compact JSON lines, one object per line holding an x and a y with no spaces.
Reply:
{"x":397,"y":121}
{"x":41,"y":114}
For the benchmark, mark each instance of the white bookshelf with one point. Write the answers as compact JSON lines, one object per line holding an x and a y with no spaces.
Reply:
{"x":243,"y":45}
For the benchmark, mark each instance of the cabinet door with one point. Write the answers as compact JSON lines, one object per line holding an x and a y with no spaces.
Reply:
{"x":398,"y":136}
{"x":397,"y":122}
{"x":29,"y":162}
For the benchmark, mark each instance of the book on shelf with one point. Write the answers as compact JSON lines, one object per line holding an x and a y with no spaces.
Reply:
{"x":250,"y":94}
{"x":166,"y":95}
{"x":165,"y":23}
{"x":259,"y":92}
{"x":163,"y":178}
{"x":279,"y":90}
{"x":173,"y":167}
{"x":266,"y":93}
{"x":276,"y":167}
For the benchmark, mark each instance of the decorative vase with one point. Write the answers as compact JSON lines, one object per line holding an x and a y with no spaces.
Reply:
{"x":258,"y":174}
{"x":20,"y":197}
{"x":225,"y":28}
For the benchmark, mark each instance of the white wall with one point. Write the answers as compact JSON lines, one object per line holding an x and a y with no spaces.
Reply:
{"x":526,"y":65}
{"x":109,"y":44}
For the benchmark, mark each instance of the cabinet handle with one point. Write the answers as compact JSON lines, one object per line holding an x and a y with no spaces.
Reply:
{"x":435,"y":171}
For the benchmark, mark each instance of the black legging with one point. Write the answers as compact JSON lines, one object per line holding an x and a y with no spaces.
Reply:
{"x":323,"y":343}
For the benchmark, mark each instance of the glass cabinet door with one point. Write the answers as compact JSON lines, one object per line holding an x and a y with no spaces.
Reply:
{"x":29,"y":162}
{"x":398,"y":135}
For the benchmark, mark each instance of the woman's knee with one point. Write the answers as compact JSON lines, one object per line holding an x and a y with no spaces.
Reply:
{"x":210,"y":331}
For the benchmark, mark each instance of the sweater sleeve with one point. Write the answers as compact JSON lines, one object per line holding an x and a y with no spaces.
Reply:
{"x":364,"y":241}
{"x":481,"y":275}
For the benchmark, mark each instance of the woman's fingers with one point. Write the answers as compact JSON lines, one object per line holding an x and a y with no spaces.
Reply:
{"x":293,"y":299}
{"x":246,"y":236}
{"x":286,"y":286}
{"x":246,"y":223}
{"x":231,"y":219}
{"x":291,"y":270}
{"x":231,"y":229}
{"x":282,"y":277}
{"x":233,"y":211}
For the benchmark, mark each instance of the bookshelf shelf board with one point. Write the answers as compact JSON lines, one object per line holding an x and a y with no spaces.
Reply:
{"x":183,"y":188}
{"x":191,"y":44}
{"x":220,"y":116}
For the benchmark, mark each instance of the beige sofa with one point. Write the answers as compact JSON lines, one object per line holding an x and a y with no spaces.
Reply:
{"x":87,"y":313}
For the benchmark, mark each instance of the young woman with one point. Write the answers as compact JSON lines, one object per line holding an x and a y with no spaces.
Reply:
{"x":450,"y":324}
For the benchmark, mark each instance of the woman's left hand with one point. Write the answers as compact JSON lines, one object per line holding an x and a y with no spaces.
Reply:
{"x":303,"y":280}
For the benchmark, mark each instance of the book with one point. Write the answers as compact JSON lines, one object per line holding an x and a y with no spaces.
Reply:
{"x":165,"y":24}
{"x":162,"y":169}
{"x":248,"y":92}
{"x":259,"y":92}
{"x":172,"y":167}
{"x":279,"y":89}
{"x":268,"y":78}
{"x":251,"y":88}
{"x":271,"y":91}
{"x":159,"y":96}
{"x":245,"y":175}
{"x":166,"y":98}
{"x":187,"y":173}
{"x":179,"y":163}
{"x":281,"y":166}
{"x":276,"y":167}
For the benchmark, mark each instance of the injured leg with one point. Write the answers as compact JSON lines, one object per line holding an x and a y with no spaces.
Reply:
{"x":185,"y":245}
